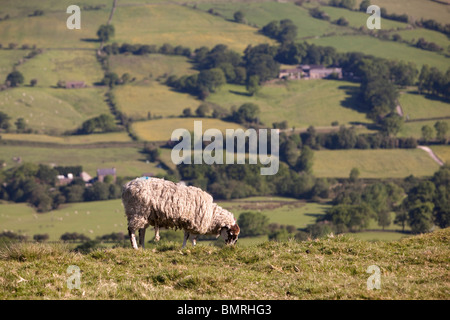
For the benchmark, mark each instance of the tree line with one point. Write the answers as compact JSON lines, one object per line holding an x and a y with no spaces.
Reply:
{"x":36,"y":184}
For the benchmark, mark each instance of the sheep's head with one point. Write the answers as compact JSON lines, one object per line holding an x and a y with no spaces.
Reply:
{"x":230,"y":234}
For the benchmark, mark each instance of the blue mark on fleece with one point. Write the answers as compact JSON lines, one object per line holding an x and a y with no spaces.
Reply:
{"x":143,"y":178}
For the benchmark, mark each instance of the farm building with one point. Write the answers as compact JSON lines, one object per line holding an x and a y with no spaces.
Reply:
{"x":75,"y":84}
{"x":310,"y":72}
{"x":102,"y":173}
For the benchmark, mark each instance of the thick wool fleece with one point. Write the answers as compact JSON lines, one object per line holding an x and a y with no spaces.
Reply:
{"x":164,"y":204}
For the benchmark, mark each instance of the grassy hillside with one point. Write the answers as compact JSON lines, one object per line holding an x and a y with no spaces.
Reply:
{"x":50,"y":110}
{"x":333,"y":268}
{"x":50,"y":30}
{"x":381,"y":163}
{"x":68,"y":65}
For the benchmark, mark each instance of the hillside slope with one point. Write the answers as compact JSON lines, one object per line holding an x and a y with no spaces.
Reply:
{"x":333,"y":268}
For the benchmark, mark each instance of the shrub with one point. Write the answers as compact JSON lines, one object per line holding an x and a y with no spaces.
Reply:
{"x":253,"y":224}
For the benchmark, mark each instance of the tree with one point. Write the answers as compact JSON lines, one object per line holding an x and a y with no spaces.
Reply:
{"x":110,"y":79}
{"x":211,"y":79}
{"x":392,"y":123}
{"x":202,"y":110}
{"x":248,"y":112}
{"x":384,"y":219}
{"x":253,"y":84}
{"x":239,"y":17}
{"x":20,"y":124}
{"x":354,"y":175}
{"x":105,"y":32}
{"x":187,"y":112}
{"x":305,"y":161}
{"x":364,"y":5}
{"x":427,"y":133}
{"x":441,"y":130}
{"x":4,"y":121}
{"x":33,"y":82}
{"x":15,"y":78}
{"x":420,"y":217}
{"x":401,"y":218}
{"x":253,"y":224}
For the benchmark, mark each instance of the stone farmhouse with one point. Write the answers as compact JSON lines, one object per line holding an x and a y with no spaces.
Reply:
{"x":309,"y":72}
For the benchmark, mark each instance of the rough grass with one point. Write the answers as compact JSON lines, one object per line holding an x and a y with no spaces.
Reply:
{"x":333,"y":268}
{"x":381,"y":163}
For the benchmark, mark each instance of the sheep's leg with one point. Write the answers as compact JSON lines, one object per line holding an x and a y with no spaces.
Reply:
{"x":186,"y":237}
{"x":132,"y":238}
{"x":142,"y":237}
{"x":157,"y":233}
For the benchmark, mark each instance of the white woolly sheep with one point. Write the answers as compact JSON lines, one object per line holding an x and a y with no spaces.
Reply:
{"x":164,"y":204}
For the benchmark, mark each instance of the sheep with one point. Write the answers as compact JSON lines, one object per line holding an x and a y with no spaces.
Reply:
{"x":164,"y":204}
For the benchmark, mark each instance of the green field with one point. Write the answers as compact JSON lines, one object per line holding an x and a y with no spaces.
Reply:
{"x":50,"y":110}
{"x":261,"y":13}
{"x":104,"y":217}
{"x":150,"y":67}
{"x":414,"y":129}
{"x":127,"y":161}
{"x":301,"y":103}
{"x":417,"y":9}
{"x":416,"y":106}
{"x":384,"y":49}
{"x":154,"y":24}
{"x":90,"y":218}
{"x":429,"y":35}
{"x":161,"y":130}
{"x":358,"y":19}
{"x":381,"y":163}
{"x":7,"y":60}
{"x":136,"y":101}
